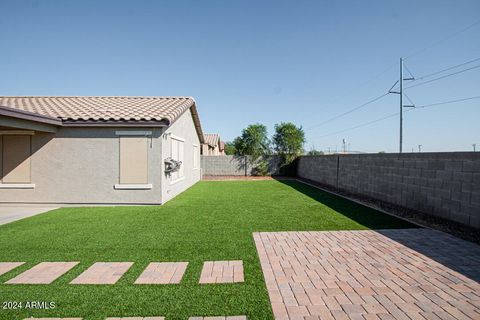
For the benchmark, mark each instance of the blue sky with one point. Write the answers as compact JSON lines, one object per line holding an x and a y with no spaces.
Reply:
{"x":258,"y":61}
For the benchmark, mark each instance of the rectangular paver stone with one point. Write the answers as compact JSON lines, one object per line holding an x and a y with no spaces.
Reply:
{"x":9,"y":266}
{"x":162,"y":273}
{"x":222,"y":272}
{"x":136,"y":318}
{"x":43,"y":273}
{"x":103,"y":273}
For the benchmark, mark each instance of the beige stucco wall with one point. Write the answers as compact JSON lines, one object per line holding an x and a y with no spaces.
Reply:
{"x":182,"y":128}
{"x":81,"y":166}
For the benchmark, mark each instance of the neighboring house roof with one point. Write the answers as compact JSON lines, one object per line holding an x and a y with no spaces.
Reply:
{"x":104,"y":110}
{"x":212,"y":139}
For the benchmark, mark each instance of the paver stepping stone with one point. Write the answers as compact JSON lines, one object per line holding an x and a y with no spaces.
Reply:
{"x":219,"y":318}
{"x":8,"y":266}
{"x":162,"y":273}
{"x":222,"y":272}
{"x":103,"y":273}
{"x":43,"y":273}
{"x":137,"y":318}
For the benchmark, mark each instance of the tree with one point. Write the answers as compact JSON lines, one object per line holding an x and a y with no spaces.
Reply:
{"x":230,"y":148}
{"x":288,"y":142}
{"x":314,"y":152}
{"x":253,"y":142}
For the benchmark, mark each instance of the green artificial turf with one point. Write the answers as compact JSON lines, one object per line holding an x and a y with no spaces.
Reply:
{"x":210,"y":221}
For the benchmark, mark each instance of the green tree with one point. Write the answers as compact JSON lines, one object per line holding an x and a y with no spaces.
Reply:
{"x":288,"y":142}
{"x":253,"y":142}
{"x":230,"y":148}
{"x":314,"y":152}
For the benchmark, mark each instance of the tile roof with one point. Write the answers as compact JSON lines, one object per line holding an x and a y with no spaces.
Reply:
{"x":211,"y":139}
{"x":102,"y":108}
{"x":105,"y":109}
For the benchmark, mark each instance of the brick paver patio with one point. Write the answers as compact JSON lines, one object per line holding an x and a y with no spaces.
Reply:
{"x":162,"y":273}
{"x":219,"y":318}
{"x":43,"y":273}
{"x":103,"y":273}
{"x":389,"y":274}
{"x":222,"y":272}
{"x":9,"y":266}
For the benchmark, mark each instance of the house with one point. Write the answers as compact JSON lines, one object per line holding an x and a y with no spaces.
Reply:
{"x":213,"y":146}
{"x":98,"y":150}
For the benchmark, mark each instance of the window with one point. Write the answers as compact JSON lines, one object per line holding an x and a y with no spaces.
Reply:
{"x":16,"y":152}
{"x":177,"y":152}
{"x":195,"y":156}
{"x":133,"y":160}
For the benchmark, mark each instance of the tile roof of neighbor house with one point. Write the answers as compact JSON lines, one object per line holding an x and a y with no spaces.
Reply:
{"x":211,"y":139}
{"x":95,"y":110}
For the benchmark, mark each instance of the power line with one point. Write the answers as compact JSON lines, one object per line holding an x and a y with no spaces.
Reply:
{"x":447,"y":69}
{"x":446,"y":102}
{"x":361,"y":125}
{"x":434,"y":44}
{"x":397,"y":113}
{"x":349,"y":111}
{"x":442,"y":77}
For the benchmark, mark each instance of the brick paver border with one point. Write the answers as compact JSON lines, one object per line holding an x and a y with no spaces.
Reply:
{"x":403,"y":274}
{"x":43,"y":273}
{"x":103,"y":273}
{"x":9,"y":266}
{"x":136,"y":318}
{"x":222,"y":272}
{"x":163,"y":273}
{"x":219,"y":318}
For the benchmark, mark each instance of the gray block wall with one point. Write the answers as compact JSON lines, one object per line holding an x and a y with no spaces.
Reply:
{"x":446,"y":185}
{"x":233,"y":166}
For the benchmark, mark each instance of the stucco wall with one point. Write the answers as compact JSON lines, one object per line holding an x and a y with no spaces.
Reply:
{"x":81,"y":165}
{"x":182,"y":128}
{"x":446,"y":184}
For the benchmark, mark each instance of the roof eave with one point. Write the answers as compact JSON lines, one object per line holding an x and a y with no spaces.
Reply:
{"x":30,"y":116}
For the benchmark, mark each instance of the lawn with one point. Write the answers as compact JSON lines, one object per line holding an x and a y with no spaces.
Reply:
{"x":213,"y":220}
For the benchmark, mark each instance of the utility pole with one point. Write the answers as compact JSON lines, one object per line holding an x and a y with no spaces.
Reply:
{"x":401,"y":105}
{"x":419,"y":148}
{"x":474,"y":145}
{"x":400,"y":92}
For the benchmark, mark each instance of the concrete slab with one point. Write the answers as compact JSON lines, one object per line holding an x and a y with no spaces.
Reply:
{"x":10,"y":213}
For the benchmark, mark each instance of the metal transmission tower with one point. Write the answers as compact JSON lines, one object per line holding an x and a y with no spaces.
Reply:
{"x":401,"y":94}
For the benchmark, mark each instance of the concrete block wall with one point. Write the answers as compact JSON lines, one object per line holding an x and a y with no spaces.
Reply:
{"x":233,"y":165}
{"x":446,"y":185}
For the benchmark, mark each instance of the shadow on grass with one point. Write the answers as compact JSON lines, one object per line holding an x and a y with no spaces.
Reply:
{"x":454,"y":253}
{"x":363,"y":215}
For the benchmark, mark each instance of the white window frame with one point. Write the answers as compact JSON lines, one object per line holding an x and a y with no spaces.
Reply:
{"x":196,"y":156}
{"x":182,"y":140}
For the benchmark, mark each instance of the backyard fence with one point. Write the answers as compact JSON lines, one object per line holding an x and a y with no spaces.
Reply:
{"x":446,"y":185}
{"x":236,"y":165}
